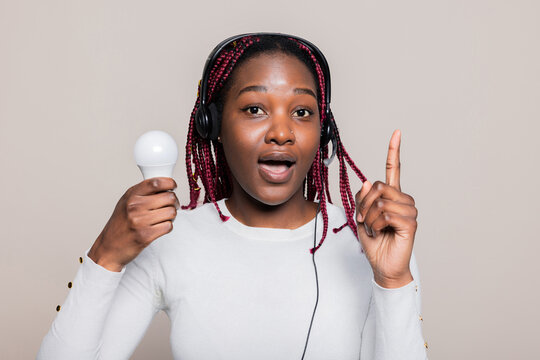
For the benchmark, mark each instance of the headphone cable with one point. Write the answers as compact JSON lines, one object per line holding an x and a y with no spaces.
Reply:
{"x":316,"y":275}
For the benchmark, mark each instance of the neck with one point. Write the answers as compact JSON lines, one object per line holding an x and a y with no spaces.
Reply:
{"x":291,"y":214}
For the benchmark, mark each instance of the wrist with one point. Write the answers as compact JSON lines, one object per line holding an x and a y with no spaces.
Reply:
{"x":100,"y":257}
{"x":392,"y":283}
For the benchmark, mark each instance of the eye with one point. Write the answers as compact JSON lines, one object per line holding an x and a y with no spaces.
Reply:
{"x":254,"y":110}
{"x":303,"y":112}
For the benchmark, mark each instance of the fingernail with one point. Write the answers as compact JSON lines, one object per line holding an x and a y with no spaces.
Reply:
{"x":359,"y":217}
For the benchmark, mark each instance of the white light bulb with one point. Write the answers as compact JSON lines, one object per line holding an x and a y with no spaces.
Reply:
{"x":156,"y":154}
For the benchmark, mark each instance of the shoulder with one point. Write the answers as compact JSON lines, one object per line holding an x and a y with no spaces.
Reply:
{"x":202,"y":216}
{"x":190,"y":228}
{"x":191,"y":223}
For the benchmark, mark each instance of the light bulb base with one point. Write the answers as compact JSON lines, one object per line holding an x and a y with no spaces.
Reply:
{"x":152,"y":171}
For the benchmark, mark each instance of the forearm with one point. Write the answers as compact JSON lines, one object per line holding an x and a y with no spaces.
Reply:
{"x":393,"y":328}
{"x":76,"y":331}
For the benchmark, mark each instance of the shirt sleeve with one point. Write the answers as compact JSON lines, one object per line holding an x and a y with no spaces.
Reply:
{"x":393,"y":327}
{"x":106,"y":313}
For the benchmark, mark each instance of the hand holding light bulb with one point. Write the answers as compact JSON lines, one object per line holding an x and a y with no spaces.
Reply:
{"x":147,"y":210}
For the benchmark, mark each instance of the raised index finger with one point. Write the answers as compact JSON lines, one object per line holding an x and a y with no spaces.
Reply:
{"x":392,"y":161}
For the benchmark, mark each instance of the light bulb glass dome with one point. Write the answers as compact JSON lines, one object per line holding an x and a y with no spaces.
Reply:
{"x":155,"y":148}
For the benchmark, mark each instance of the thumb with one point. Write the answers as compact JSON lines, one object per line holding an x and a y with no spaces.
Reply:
{"x":366,"y":186}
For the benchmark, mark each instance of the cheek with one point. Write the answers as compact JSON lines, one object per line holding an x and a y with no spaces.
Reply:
{"x":239,"y":146}
{"x":309,"y":144}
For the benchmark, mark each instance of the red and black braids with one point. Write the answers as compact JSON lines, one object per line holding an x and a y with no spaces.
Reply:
{"x":211,"y":166}
{"x":215,"y":175}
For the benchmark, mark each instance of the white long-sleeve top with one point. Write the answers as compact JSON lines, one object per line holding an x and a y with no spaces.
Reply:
{"x":232,"y":291}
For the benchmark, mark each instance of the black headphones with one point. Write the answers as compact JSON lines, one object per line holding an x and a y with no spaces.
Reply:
{"x":207,"y":118}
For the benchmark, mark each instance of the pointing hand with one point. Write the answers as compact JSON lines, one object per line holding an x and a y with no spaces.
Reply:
{"x":386,"y":223}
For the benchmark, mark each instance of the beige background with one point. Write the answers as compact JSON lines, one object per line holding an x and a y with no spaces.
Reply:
{"x":81,"y":80}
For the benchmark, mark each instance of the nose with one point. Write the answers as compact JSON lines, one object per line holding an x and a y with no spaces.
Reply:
{"x":280,"y":131}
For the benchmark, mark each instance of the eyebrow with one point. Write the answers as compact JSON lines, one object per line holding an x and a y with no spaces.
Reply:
{"x":260,"y":88}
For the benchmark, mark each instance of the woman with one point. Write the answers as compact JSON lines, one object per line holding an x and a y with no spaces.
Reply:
{"x":234,"y":275}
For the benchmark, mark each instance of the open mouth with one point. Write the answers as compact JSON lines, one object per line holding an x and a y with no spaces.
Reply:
{"x":276,"y":166}
{"x":276,"y":171}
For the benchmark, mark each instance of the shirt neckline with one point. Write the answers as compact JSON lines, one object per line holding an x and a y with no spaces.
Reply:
{"x":270,"y":234}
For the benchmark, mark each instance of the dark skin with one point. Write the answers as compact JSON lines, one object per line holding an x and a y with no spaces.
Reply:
{"x":386,"y":219}
{"x":271,"y":106}
{"x":144,"y":213}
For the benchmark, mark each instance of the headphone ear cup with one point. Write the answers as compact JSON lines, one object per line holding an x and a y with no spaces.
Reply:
{"x":325,"y":134}
{"x":201,"y":122}
{"x":327,"y":130}
{"x":214,"y":121}
{"x":329,"y":135}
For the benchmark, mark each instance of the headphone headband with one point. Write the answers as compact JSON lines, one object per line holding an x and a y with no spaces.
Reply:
{"x":222,"y":45}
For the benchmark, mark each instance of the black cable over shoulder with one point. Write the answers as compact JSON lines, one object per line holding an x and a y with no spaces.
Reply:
{"x":316,"y":275}
{"x":316,"y":278}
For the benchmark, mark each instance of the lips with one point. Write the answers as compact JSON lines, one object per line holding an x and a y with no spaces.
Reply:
{"x":276,"y":167}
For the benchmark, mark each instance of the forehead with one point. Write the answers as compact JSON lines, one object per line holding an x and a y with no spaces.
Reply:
{"x":273,"y":68}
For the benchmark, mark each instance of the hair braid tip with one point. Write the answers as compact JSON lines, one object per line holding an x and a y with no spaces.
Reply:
{"x":338,"y":229}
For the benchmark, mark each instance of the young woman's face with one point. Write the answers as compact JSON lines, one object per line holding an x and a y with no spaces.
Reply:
{"x":270,"y":127}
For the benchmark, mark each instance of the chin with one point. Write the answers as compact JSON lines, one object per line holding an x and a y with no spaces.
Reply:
{"x":273,"y":195}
